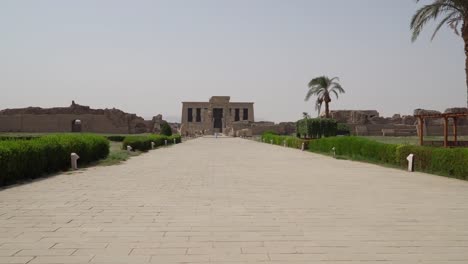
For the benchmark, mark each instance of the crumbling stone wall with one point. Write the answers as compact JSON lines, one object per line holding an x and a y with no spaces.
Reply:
{"x":60,"y":119}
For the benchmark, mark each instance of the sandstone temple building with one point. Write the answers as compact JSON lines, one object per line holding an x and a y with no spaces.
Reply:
{"x":218,"y":115}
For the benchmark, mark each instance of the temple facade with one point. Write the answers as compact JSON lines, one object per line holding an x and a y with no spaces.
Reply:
{"x":218,"y":115}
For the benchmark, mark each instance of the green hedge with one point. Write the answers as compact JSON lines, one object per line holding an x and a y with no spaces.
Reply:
{"x":452,"y":162}
{"x":443,"y":161}
{"x":292,"y":142}
{"x":3,"y":138}
{"x":356,"y":148}
{"x":343,"y":130}
{"x":26,"y":159}
{"x":316,"y":127}
{"x":143,"y":143}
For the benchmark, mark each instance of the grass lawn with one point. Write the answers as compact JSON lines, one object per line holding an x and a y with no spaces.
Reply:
{"x":117,"y":154}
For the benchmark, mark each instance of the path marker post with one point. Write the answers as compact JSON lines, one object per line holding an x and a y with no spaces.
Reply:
{"x":74,"y":161}
{"x":410,"y":160}
{"x":303,"y":146}
{"x":165,"y":142}
{"x":152,"y":145}
{"x":129,"y":148}
{"x":284,"y":143}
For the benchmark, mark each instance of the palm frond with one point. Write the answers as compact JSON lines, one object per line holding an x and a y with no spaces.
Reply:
{"x":456,"y":10}
{"x":337,"y":87}
{"x":335,"y":93}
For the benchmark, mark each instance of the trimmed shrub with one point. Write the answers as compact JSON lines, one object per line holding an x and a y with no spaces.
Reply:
{"x":292,"y":142}
{"x":343,"y":130}
{"x":452,"y":162}
{"x":356,"y":148}
{"x":316,"y":127}
{"x":143,"y":143}
{"x":166,"y":130}
{"x":29,"y":159}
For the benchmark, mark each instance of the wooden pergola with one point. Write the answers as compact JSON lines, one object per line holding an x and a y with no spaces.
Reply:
{"x":421,"y":118}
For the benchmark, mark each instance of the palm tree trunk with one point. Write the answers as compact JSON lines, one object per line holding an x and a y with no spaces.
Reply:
{"x":327,"y":110}
{"x":465,"y":39}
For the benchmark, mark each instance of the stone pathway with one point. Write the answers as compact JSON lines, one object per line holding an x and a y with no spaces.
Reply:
{"x":235,"y":201}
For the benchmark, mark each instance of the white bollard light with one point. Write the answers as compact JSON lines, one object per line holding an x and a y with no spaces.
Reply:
{"x":152,"y":145}
{"x":410,"y":160}
{"x":129,"y":148}
{"x":165,"y":142}
{"x":334,"y":152}
{"x":175,"y":142}
{"x":74,"y":161}
{"x":303,"y":146}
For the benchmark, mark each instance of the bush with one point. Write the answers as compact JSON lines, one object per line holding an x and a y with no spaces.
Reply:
{"x":452,"y":162}
{"x":343,"y":130}
{"x":292,"y":142}
{"x":166,"y":130}
{"x":316,"y":127}
{"x":356,"y":148}
{"x":143,"y":143}
{"x":442,"y":161}
{"x":26,"y":159}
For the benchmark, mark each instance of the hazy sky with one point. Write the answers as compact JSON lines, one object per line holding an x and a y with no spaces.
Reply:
{"x":146,"y":57}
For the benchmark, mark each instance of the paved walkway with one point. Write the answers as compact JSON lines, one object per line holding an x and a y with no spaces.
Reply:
{"x":235,"y":201}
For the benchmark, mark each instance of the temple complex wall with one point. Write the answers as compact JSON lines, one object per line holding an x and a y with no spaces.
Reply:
{"x":75,"y":118}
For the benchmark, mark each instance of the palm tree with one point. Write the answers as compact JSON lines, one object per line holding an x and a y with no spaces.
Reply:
{"x":454,"y":14}
{"x":323,"y":87}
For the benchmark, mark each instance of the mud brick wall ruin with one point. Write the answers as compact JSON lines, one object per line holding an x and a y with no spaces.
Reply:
{"x":370,"y":123}
{"x":75,"y":118}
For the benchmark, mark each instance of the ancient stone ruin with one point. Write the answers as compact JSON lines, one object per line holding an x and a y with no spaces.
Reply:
{"x":370,"y":123}
{"x":75,"y":118}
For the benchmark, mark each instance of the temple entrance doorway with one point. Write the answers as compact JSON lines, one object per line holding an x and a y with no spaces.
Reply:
{"x":218,"y":120}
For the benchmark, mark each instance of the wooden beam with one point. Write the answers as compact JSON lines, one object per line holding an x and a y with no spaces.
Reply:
{"x":450,"y":115}
{"x":445,"y":131}
{"x":455,"y":130}
{"x":421,"y":130}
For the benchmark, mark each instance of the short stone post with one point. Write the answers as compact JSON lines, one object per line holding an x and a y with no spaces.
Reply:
{"x":303,"y":146}
{"x":271,"y":141}
{"x":152,"y":145}
{"x":175,"y":142}
{"x":129,"y":148}
{"x":410,"y":160}
{"x":334,"y":152}
{"x":74,"y":161}
{"x":165,"y":142}
{"x":284,"y":143}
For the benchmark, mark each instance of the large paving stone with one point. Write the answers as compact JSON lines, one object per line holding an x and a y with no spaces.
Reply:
{"x":235,"y":201}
